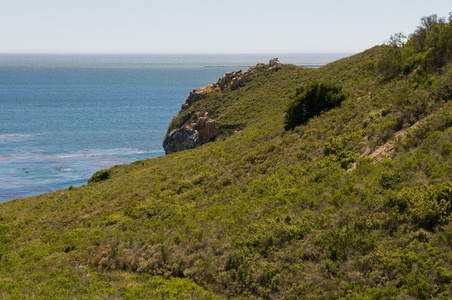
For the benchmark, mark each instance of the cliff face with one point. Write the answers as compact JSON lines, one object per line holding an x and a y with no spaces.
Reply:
{"x":192,"y":135}
{"x":197,"y":128}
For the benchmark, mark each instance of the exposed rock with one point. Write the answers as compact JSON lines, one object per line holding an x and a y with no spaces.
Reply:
{"x":192,"y":135}
{"x":207,"y":129}
{"x":180,"y":139}
{"x":194,"y":96}
{"x":274,"y":64}
{"x":231,"y":80}
{"x":236,"y":83}
{"x":385,"y":150}
{"x":203,"y":129}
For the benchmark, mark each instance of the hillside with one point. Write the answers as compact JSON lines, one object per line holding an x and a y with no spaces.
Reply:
{"x":353,"y":203}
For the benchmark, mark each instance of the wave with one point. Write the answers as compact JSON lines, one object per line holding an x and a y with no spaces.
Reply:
{"x":99,"y":153}
{"x":11,"y":135}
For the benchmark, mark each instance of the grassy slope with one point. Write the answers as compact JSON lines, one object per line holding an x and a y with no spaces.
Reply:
{"x":262,"y":213}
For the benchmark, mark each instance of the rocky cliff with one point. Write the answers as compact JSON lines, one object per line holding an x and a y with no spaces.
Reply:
{"x":196,"y":128}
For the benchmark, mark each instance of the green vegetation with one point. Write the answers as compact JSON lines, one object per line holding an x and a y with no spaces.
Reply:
{"x":427,"y":50}
{"x":100,"y":176}
{"x":354,"y":203}
{"x":311,"y":100}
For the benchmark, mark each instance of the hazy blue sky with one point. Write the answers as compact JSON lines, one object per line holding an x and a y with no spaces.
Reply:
{"x":206,"y":26}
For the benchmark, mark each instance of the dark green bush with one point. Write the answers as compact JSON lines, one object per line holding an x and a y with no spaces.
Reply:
{"x":100,"y":176}
{"x":390,"y":180}
{"x":311,"y":100}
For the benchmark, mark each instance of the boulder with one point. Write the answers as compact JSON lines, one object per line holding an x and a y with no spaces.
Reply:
{"x":189,"y":136}
{"x":274,"y":64}
{"x":208,"y":129}
{"x":236,"y":83}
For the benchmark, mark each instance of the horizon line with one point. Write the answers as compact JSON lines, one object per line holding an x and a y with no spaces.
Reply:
{"x":170,"y":53}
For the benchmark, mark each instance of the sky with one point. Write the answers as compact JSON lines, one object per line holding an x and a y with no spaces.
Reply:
{"x":207,"y":26}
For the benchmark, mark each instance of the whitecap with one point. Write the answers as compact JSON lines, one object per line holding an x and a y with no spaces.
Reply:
{"x":63,"y":169}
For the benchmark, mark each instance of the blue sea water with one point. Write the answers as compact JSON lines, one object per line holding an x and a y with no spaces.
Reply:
{"x":64,"y":117}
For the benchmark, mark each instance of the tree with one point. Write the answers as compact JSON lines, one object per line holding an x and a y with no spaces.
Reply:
{"x":429,"y":22}
{"x":419,"y":38}
{"x":397,"y":40}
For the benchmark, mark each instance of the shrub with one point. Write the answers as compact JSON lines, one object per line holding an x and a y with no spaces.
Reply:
{"x":425,"y":206}
{"x":100,"y":176}
{"x":444,"y":90}
{"x":311,"y":100}
{"x":390,"y":64}
{"x":390,"y":180}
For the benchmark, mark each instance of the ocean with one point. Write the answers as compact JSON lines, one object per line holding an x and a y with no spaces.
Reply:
{"x":64,"y":117}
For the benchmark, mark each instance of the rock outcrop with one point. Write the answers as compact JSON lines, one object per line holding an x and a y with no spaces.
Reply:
{"x":231,"y":81}
{"x":202,"y":129}
{"x":194,"y":96}
{"x":274,"y":64}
